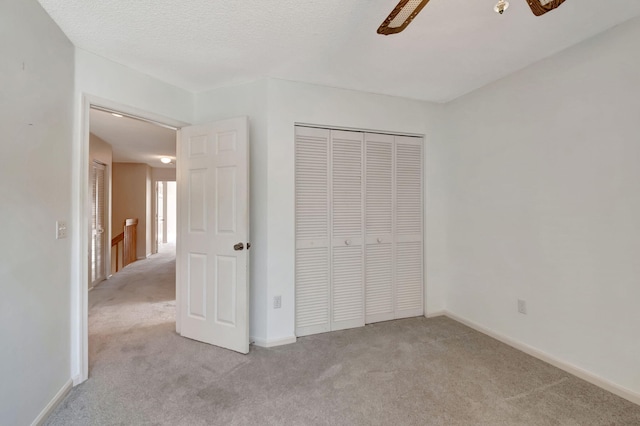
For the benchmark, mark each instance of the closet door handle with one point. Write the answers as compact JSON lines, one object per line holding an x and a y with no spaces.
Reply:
{"x":347,"y":242}
{"x":379,"y":240}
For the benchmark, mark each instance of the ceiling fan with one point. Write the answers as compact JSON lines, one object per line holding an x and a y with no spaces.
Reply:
{"x":402,"y":15}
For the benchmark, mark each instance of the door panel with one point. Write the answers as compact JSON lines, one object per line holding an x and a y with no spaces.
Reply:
{"x":347,"y":289}
{"x":213,"y":199}
{"x":313,"y":293}
{"x":408,"y":257}
{"x":379,"y":267}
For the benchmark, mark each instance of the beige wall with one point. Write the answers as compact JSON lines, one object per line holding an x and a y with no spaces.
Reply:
{"x":100,"y":150}
{"x":132,"y":199}
{"x":163,"y":174}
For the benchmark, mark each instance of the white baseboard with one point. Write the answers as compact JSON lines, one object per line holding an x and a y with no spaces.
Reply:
{"x":435,"y":314}
{"x":57,"y":399}
{"x":272,"y":343}
{"x":585,"y":375}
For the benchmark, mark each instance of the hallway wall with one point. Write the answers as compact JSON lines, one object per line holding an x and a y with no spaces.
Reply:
{"x":132,"y":200}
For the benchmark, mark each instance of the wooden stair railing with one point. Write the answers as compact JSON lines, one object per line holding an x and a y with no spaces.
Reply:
{"x":130,"y":236}
{"x":128,"y":240}
{"x":115,"y":242}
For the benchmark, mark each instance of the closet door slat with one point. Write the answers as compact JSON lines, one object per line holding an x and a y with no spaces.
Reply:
{"x":409,"y":252}
{"x":312,"y":274}
{"x":379,"y":268}
{"x":347,"y":229}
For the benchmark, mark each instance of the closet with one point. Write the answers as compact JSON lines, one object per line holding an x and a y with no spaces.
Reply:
{"x":358,"y":228}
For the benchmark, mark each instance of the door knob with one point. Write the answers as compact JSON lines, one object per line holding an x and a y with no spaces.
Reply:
{"x":238,"y":247}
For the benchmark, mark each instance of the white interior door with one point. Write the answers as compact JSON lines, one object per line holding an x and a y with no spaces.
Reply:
{"x":212,"y":260}
{"x":97,"y":246}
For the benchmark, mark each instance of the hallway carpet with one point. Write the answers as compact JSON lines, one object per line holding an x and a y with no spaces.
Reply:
{"x":407,"y":372}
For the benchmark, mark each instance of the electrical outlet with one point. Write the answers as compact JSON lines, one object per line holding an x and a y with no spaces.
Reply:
{"x":522,"y":306}
{"x":61,"y":229}
{"x":277,"y":302}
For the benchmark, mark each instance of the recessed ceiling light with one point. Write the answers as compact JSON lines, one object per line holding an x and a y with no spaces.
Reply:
{"x":165,"y":160}
{"x":116,"y":115}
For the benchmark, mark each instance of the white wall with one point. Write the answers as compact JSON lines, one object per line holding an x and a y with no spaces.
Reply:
{"x":248,"y":100}
{"x":116,"y":83}
{"x":290,"y":103}
{"x":544,"y":202}
{"x":36,"y":112}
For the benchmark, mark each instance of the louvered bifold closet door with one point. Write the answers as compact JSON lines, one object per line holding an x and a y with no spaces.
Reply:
{"x":347,"y":290}
{"x":408,"y":297}
{"x":312,"y":275}
{"x":379,"y":270}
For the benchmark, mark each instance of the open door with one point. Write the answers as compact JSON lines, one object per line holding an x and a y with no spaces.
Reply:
{"x":212,"y":259}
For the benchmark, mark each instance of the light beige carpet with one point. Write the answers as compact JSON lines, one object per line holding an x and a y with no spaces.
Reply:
{"x":408,"y":372}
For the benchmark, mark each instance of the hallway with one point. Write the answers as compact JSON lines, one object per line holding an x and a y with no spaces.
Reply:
{"x":138,"y":299}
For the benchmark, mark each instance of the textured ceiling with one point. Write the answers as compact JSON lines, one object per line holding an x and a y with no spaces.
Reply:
{"x":451,"y":48}
{"x":134,"y":141}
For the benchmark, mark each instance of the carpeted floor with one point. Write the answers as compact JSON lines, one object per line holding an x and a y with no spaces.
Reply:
{"x":408,"y":372}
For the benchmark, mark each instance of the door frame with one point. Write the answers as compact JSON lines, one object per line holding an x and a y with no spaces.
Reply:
{"x":79,"y":304}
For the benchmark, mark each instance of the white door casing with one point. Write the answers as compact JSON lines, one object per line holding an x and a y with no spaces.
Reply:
{"x":212,"y":277}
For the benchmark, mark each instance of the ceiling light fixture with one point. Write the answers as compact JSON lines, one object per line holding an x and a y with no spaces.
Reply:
{"x":501,"y":6}
{"x":401,"y":16}
{"x":165,"y":160}
{"x":116,"y":115}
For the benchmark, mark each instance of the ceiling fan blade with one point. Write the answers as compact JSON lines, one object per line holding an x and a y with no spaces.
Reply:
{"x":402,"y":15}
{"x":540,"y":7}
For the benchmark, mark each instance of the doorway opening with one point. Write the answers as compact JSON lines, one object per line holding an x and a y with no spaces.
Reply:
{"x":132,"y":202}
{"x":166,"y":221}
{"x":212,"y":196}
